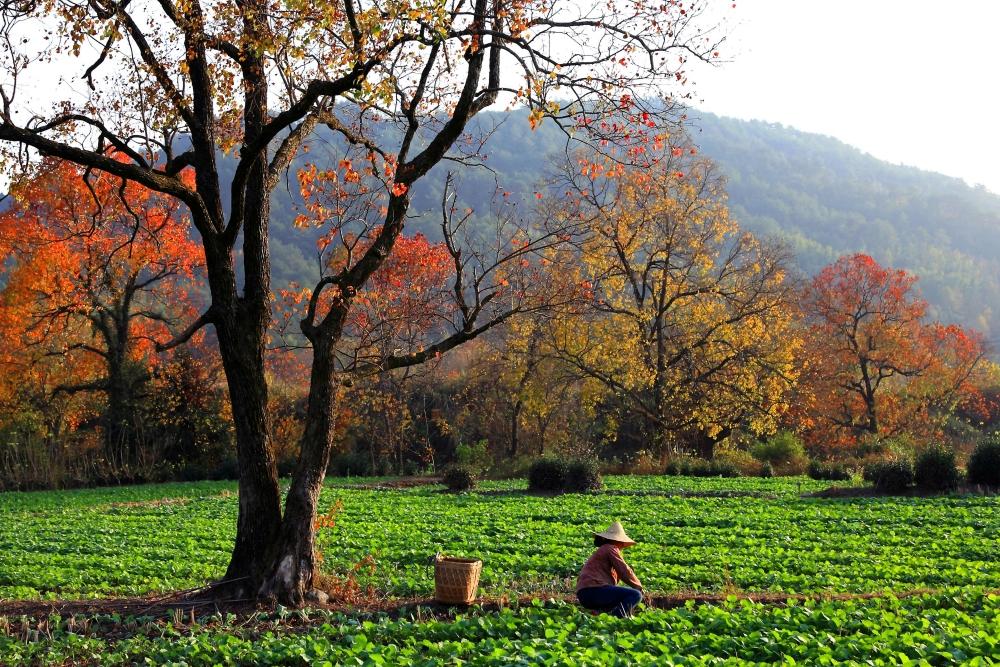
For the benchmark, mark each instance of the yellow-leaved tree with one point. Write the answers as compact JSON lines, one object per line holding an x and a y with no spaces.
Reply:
{"x":684,"y":319}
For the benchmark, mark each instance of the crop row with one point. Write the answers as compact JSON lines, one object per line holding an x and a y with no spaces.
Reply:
{"x":957,"y":628}
{"x":146,"y":539}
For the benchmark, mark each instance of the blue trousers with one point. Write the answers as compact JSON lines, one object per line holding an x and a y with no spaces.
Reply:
{"x":615,"y":600}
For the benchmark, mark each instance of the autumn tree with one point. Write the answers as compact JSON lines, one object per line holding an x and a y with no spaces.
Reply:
{"x":874,"y":365}
{"x":538,"y":405}
{"x":405,"y":303}
{"x":419,"y":303}
{"x":686,"y":320}
{"x":95,"y":270}
{"x":169,"y":85}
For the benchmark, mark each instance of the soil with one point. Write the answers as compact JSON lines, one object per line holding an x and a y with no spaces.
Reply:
{"x":871,"y":492}
{"x":194,"y":608}
{"x":398,"y":483}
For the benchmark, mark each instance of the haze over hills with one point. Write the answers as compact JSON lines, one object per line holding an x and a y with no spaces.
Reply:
{"x":823,"y":197}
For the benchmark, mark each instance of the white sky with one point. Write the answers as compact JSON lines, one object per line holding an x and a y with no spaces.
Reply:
{"x":909,"y":81}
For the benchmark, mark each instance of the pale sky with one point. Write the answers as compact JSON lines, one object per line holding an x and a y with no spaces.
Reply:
{"x":909,"y":81}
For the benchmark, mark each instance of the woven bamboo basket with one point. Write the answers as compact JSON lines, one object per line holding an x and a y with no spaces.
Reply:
{"x":456,"y":579}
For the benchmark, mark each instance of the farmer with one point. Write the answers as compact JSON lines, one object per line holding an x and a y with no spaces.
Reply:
{"x":597,"y":586}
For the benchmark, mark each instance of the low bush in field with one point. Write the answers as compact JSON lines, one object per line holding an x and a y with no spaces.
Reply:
{"x":718,"y":469}
{"x":459,"y":478}
{"x":552,"y":474}
{"x":784,"y":451}
{"x":984,"y":464}
{"x":690,"y":466}
{"x":935,"y":470}
{"x":829,"y":471}
{"x":766,"y":470}
{"x":547,"y":474}
{"x":583,"y":475}
{"x":473,"y":455}
{"x":679,"y":465}
{"x":742,"y":460}
{"x":780,"y":448}
{"x":889,"y":476}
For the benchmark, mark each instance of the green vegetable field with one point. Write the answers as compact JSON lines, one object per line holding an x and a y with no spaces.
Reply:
{"x":931,"y":563}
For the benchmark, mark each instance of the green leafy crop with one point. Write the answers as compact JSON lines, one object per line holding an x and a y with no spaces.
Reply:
{"x":694,"y":534}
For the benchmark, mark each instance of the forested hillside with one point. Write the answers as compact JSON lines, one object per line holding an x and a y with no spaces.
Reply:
{"x":823,"y":197}
{"x":827,"y":199}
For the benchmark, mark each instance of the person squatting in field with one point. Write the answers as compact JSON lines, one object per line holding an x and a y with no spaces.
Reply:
{"x":597,"y":587}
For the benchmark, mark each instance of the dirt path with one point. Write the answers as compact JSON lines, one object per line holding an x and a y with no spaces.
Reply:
{"x":187,"y":606}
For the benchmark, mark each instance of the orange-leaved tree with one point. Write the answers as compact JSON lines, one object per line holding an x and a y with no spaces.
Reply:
{"x":95,"y":269}
{"x":873,"y":365}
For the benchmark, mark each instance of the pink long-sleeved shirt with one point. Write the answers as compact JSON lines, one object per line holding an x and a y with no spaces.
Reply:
{"x":606,"y":567}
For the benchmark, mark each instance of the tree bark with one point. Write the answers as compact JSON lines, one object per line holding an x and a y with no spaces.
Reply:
{"x":515,"y":423}
{"x":259,"y":516}
{"x":293,"y":568}
{"x":705,"y":444}
{"x":242,"y":341}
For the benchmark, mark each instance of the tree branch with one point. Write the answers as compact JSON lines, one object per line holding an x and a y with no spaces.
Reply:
{"x":208,"y":317}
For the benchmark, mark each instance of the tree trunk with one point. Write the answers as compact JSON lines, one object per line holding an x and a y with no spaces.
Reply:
{"x":117,"y":419}
{"x":868,"y":394}
{"x":515,"y":422}
{"x":704,"y":444}
{"x":259,"y":517}
{"x":242,"y":338}
{"x":293,"y":565}
{"x":113,"y":322}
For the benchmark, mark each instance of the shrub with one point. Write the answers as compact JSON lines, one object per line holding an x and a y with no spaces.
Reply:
{"x":383,"y":468}
{"x":742,"y":460}
{"x":796,"y":466}
{"x":696,"y":468}
{"x":784,"y":451}
{"x":935,"y":470}
{"x":766,"y":470}
{"x":723,"y":469}
{"x":547,"y":474}
{"x":459,"y":478}
{"x":834,"y":472}
{"x":680,"y":465}
{"x":583,"y":475}
{"x":889,"y":476}
{"x":474,"y":455}
{"x":702,"y":468}
{"x":984,"y":464}
{"x":643,"y":463}
{"x":691,"y":466}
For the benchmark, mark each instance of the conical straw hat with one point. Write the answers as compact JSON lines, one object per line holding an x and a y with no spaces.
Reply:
{"x":616,"y":533}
